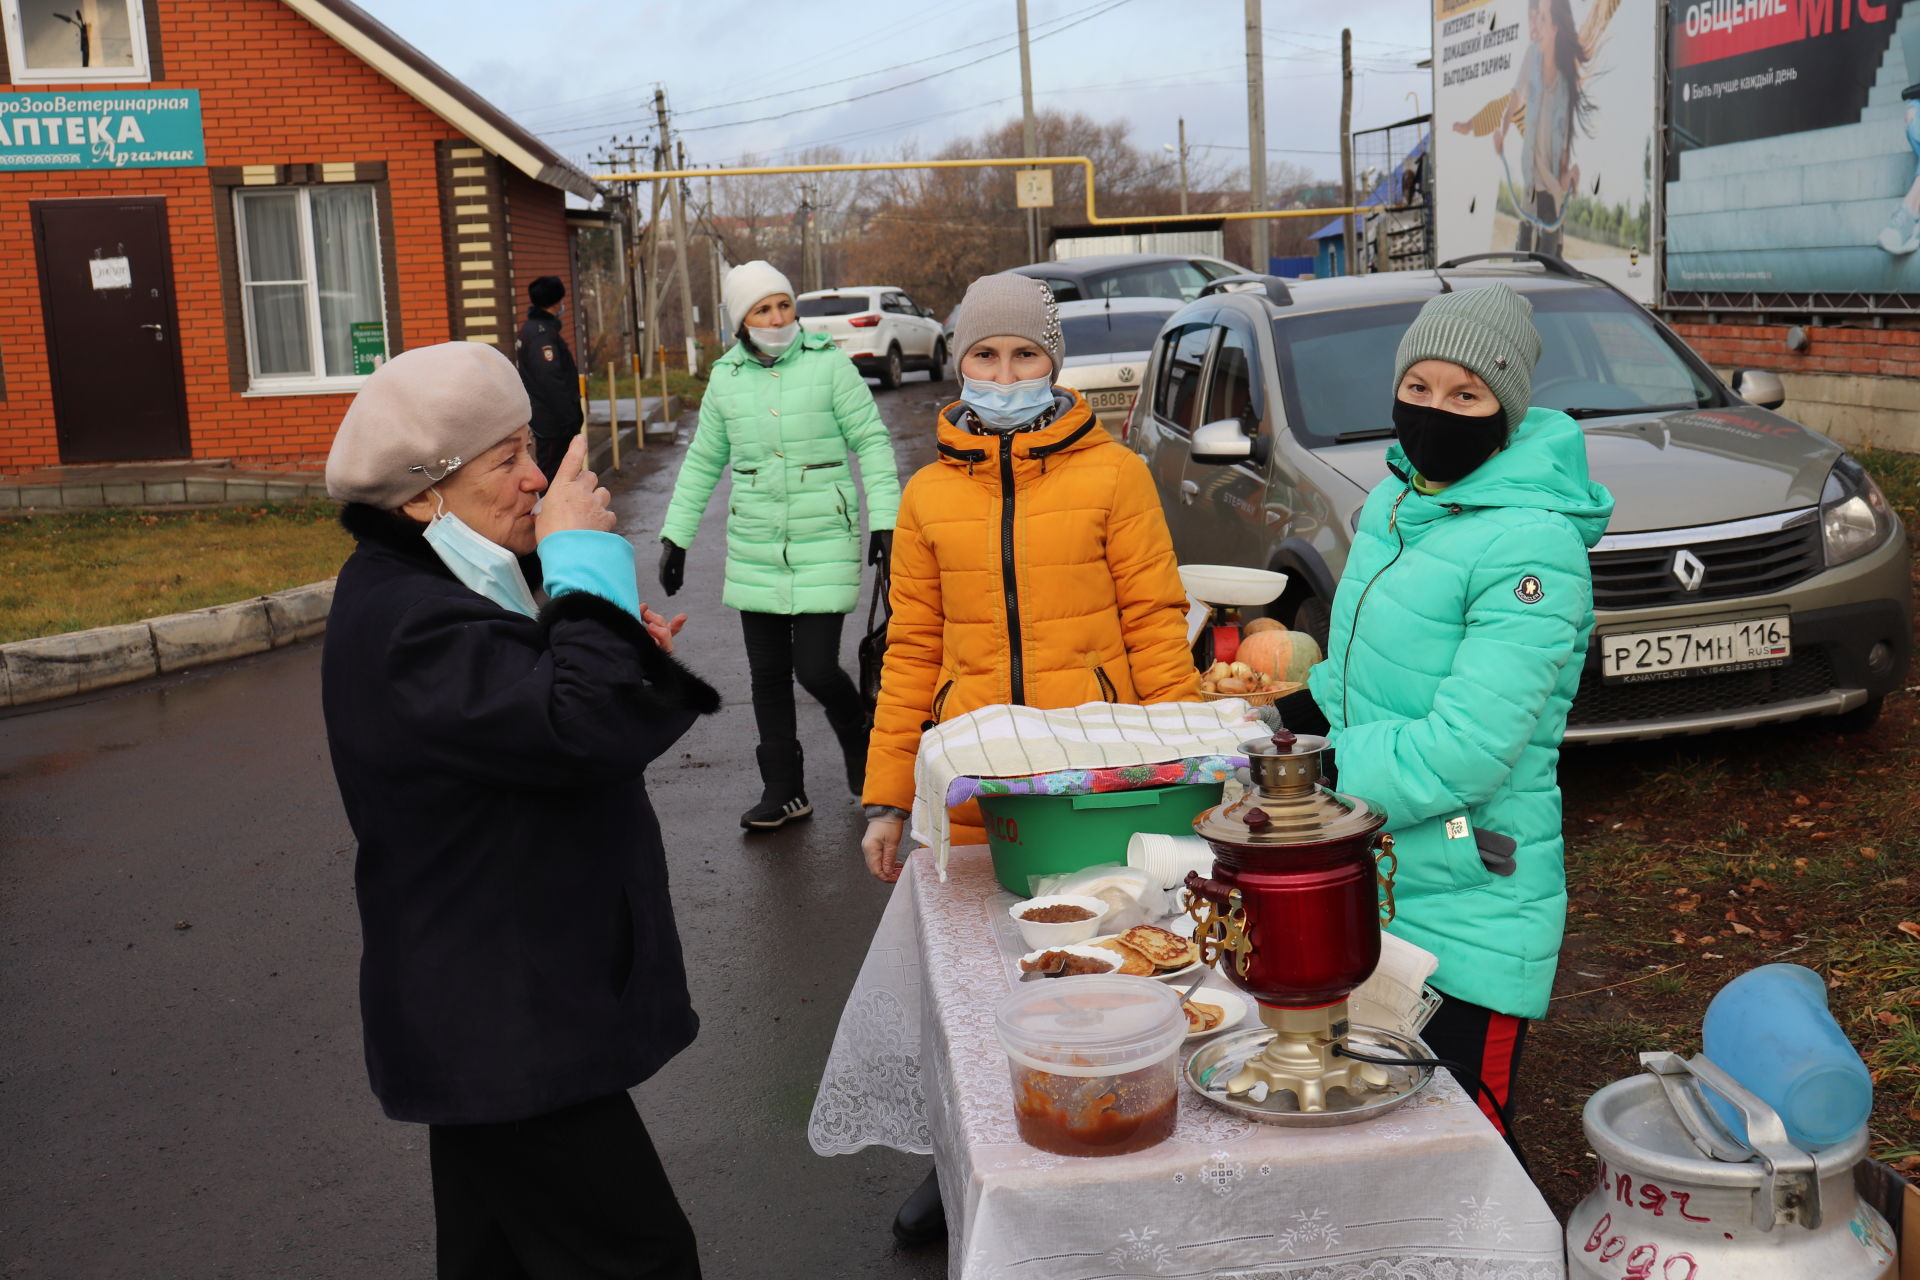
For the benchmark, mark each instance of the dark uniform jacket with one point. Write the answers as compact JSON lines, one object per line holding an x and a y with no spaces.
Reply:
{"x":519,"y":950}
{"x":548,"y":371}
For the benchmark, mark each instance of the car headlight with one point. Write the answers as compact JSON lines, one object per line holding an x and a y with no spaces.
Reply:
{"x":1854,"y":516}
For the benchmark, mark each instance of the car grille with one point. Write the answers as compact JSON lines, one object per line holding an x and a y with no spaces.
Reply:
{"x":1807,"y":675}
{"x":1755,"y":565}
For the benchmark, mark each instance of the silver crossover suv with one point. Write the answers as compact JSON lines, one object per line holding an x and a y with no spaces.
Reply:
{"x":1752,"y":572}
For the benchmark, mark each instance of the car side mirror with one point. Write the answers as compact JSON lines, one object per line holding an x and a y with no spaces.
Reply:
{"x":1761,"y":387}
{"x":1226,"y":442}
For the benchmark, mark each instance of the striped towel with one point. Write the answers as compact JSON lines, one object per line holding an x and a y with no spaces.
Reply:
{"x":1013,"y":742}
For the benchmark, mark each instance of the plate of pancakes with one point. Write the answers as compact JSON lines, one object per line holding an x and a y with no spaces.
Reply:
{"x":1149,"y":951}
{"x":1213,"y":1010}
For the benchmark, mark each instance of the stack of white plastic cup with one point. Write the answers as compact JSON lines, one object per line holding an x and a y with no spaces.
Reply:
{"x":1168,"y":858}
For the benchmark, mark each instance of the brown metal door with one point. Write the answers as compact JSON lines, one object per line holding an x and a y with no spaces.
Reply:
{"x":106,"y":287}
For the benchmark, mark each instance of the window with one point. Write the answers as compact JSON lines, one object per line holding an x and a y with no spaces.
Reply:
{"x":834,"y":304}
{"x":1181,"y":281}
{"x":1178,"y":391}
{"x":310,"y":283}
{"x":1233,"y":391}
{"x":1111,"y":332}
{"x":64,"y":41}
{"x":1063,"y":290}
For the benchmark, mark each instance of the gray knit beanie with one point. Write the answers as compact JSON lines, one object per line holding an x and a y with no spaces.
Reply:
{"x":1488,"y":330}
{"x":1009,"y":305}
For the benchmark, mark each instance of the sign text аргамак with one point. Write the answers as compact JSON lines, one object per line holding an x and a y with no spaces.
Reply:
{"x":108,"y":129}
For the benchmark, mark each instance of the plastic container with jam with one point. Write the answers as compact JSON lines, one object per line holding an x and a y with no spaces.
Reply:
{"x":1095,"y":1063}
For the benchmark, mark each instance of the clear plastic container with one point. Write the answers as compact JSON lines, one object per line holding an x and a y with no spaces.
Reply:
{"x":1770,"y":1030}
{"x":1095,"y":1063}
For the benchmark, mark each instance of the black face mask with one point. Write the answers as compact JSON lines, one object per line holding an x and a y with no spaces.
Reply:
{"x":1444,"y":446}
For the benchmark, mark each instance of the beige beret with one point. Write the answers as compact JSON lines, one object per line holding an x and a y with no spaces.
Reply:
{"x":420,"y":415}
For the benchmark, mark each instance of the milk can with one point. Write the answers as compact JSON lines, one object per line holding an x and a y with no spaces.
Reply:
{"x":1679,"y":1198}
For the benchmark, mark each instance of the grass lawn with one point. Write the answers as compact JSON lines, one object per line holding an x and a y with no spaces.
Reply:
{"x":68,"y":571}
{"x":1693,"y":860}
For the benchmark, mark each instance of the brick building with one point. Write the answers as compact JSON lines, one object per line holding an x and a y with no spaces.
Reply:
{"x":217,"y":215}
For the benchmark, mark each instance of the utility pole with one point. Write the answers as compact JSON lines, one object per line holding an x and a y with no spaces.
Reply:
{"x":1346,"y":146}
{"x":666,"y":154}
{"x":681,"y":249}
{"x":1029,"y":144}
{"x":1257,"y":136}
{"x":1183,"y":165}
{"x":649,"y":339}
{"x":713,"y":237}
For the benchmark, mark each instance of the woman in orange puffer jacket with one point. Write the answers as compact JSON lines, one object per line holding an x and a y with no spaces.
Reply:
{"x":1031,"y":564}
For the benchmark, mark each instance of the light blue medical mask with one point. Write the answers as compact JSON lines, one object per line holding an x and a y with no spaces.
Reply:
{"x":479,"y":562}
{"x":1003,"y":407}
{"x":775,"y":339}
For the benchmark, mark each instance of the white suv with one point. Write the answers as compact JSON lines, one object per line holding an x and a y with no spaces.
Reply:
{"x":880,"y":328}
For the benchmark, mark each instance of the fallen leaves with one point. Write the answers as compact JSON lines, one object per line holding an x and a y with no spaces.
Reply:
{"x":1909,"y":928}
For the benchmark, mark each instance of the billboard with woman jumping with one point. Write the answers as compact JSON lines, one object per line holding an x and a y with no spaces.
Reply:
{"x":1544,"y":132}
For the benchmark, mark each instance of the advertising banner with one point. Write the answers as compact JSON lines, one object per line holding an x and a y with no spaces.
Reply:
{"x":1543,"y":126}
{"x":103,"y":129}
{"x":1792,"y":146}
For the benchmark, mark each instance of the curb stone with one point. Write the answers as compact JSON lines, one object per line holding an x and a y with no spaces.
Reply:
{"x":57,"y":666}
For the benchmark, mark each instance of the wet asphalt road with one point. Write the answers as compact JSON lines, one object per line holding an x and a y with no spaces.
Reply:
{"x":181,"y":1085}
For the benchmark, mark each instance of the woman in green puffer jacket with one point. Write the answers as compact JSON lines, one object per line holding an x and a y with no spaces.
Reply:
{"x":1459,"y":631}
{"x":782,"y":410}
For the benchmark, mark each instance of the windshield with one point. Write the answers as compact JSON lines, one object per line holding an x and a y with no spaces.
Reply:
{"x":837,"y":304}
{"x":1103,"y":332}
{"x":1599,"y":355}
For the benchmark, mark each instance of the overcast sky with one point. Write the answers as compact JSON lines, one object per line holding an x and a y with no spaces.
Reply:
{"x":578,"y":73}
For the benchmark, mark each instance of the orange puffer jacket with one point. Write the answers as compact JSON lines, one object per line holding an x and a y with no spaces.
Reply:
{"x":1033,"y":568}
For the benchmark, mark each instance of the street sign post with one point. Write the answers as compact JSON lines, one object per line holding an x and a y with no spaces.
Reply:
{"x":1033,"y":189}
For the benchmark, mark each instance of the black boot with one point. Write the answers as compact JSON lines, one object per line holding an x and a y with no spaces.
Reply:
{"x":783,"y":795}
{"x":922,"y":1219}
{"x":853,"y":734}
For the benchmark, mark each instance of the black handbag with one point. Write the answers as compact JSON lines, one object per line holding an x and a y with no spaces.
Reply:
{"x":873,"y":644}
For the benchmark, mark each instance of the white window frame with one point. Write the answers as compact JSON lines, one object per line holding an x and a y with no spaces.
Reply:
{"x":20,"y":73}
{"x":296,"y":384}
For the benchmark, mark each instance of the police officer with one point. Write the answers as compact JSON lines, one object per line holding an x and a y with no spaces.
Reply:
{"x":551,"y":378}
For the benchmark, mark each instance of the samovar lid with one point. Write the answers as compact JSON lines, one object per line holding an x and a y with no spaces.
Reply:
{"x":1287,"y":804}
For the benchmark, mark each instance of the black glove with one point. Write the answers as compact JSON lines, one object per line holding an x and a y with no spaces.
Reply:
{"x":673,"y":566}
{"x":880,"y":547}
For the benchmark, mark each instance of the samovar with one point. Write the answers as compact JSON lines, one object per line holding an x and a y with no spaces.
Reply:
{"x":1302,"y":879}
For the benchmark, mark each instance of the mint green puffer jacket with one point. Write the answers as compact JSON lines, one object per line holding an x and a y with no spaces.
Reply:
{"x":1458,"y":635}
{"x":793,"y":522}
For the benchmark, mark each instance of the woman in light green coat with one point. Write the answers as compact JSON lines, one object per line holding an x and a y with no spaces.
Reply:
{"x":782,"y":410}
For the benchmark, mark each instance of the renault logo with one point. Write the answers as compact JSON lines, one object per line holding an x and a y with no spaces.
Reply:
{"x":1687,"y":570}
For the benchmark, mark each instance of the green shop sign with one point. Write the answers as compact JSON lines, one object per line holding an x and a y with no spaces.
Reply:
{"x":110,"y":129}
{"x":369,"y":345}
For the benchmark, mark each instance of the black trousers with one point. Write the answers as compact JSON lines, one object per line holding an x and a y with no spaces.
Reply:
{"x":549,"y":450}
{"x":1484,"y":1042}
{"x":578,"y":1194}
{"x":781,"y":647}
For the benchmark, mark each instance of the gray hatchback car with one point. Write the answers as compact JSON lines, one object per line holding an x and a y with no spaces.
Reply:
{"x":1752,"y":572}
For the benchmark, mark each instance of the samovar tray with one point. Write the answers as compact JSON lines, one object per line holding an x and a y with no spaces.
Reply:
{"x":1213,"y":1064}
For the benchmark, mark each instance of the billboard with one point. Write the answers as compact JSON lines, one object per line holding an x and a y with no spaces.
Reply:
{"x":1792,"y":138}
{"x":1543,"y":126}
{"x":104,"y":129}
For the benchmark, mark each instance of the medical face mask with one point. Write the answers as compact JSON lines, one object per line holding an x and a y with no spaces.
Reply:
{"x":1444,"y":446}
{"x":776,"y":339}
{"x":481,"y":563}
{"x":1003,"y":407}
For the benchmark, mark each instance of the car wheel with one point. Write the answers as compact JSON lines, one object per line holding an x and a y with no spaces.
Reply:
{"x":890,"y":372}
{"x":937,"y":371}
{"x":1313,"y":618}
{"x":1858,"y":720}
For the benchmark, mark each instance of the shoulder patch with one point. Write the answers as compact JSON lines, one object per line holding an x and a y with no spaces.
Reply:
{"x":546,"y":353}
{"x":1530,"y":591}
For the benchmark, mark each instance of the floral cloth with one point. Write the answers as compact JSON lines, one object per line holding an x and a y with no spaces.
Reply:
{"x":1082,"y":782}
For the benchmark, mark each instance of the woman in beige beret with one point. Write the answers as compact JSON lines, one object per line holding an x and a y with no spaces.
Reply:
{"x":520,"y":968}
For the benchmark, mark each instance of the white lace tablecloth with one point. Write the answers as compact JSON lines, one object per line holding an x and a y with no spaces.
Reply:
{"x":1428,"y":1192}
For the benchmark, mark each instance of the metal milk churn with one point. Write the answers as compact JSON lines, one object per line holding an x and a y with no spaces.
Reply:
{"x":1679,"y":1198}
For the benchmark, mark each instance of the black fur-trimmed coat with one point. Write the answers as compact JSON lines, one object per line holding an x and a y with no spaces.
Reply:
{"x":519,"y":950}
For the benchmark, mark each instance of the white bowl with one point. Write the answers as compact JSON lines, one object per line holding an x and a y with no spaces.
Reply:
{"x":1093,"y":953}
{"x":1230,"y":584}
{"x":1043,"y":934}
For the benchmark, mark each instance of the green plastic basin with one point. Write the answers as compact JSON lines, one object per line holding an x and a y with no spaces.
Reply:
{"x":1046,"y":835}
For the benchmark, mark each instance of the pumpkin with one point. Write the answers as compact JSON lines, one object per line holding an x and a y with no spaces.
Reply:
{"x":1258,"y":625}
{"x":1280,"y":655}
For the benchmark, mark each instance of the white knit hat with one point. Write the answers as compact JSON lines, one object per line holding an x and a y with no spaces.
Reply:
{"x":747,"y":284}
{"x":420,"y":416}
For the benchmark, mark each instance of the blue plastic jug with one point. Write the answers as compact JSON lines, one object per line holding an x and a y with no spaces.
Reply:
{"x":1770,"y":1029}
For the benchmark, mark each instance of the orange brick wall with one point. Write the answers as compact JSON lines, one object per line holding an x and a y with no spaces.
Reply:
{"x":1884,"y":353}
{"x":273,"y":90}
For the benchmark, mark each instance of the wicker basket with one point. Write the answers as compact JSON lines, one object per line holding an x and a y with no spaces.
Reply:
{"x":1266,"y":699}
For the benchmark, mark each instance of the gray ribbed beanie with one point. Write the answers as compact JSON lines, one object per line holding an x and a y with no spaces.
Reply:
{"x":1488,"y":330}
{"x":1009,"y":305}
